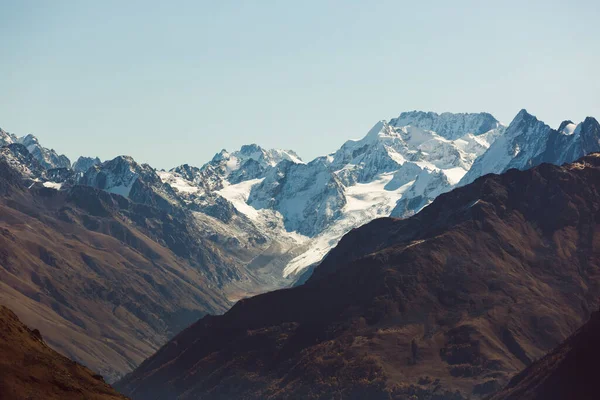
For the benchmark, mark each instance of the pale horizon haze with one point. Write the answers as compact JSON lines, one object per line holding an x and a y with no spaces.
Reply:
{"x":175,"y":82}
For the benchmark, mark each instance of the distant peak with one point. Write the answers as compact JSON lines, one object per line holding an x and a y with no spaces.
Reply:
{"x":222,"y":155}
{"x":524,"y":116}
{"x":29,"y":136}
{"x":417,"y":113}
{"x":84,"y":163}
{"x":448,"y":125}
{"x":29,"y":140}
{"x":564,"y":124}
{"x":250,"y":148}
{"x":123,"y":159}
{"x":590,"y":121}
{"x":376,"y":130}
{"x":91,"y":159}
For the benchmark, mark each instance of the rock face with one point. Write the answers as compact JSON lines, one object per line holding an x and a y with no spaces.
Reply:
{"x":447,"y":304}
{"x":30,"y":369}
{"x":84,"y":163}
{"x":18,"y":157}
{"x":308,"y":196}
{"x":567,"y":372}
{"x":571,"y":142}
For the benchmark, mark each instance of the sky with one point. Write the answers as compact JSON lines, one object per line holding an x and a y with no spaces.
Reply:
{"x":175,"y":82}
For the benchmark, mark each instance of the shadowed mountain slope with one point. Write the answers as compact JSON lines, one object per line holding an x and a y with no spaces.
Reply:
{"x":29,"y":369}
{"x":567,"y":372}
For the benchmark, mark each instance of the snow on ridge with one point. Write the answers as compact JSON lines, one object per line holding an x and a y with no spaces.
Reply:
{"x":52,"y":185}
{"x":448,"y":125}
{"x":177,"y":182}
{"x":238,"y":195}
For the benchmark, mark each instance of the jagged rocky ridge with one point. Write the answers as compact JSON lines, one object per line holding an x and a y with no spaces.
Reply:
{"x":528,"y":142}
{"x":48,"y":158}
{"x":447,"y":304}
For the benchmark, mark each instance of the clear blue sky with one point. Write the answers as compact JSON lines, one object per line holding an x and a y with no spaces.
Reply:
{"x":175,"y":81}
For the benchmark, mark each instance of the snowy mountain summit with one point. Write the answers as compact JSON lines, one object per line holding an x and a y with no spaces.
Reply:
{"x":528,"y":142}
{"x":48,"y":158}
{"x":250,"y":162}
{"x":448,"y":125}
{"x":280,"y":214}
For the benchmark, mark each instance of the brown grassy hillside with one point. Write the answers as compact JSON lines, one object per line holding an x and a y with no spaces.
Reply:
{"x":29,"y":369}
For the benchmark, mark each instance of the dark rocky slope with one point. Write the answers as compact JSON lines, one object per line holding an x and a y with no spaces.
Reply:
{"x":448,"y":304}
{"x":29,"y":369}
{"x":568,"y":372}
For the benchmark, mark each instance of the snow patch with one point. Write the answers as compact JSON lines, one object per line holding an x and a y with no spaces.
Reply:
{"x":177,"y":182}
{"x":53,"y":185}
{"x":238,"y":196}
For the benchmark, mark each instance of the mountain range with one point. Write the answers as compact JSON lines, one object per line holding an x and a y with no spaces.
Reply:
{"x":112,"y":259}
{"x":447,"y":304}
{"x":303,"y":209}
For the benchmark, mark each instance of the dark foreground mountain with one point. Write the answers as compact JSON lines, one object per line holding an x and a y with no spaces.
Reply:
{"x":448,"y":304}
{"x":29,"y":369}
{"x":107,"y":280}
{"x":568,"y":372}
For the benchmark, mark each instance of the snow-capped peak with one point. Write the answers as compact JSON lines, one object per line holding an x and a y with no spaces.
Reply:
{"x":48,"y":158}
{"x":250,"y":162}
{"x":387,"y":146}
{"x":379,"y":131}
{"x":222,"y":155}
{"x":524,"y":139}
{"x":448,"y":125}
{"x":567,"y":127}
{"x":523,"y":117}
{"x":84,"y":163}
{"x":116,"y":176}
{"x":270,"y":157}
